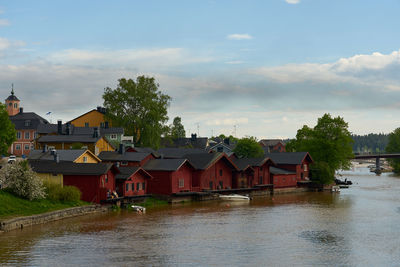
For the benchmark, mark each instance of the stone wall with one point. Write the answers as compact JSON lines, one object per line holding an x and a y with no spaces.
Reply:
{"x":21,"y":222}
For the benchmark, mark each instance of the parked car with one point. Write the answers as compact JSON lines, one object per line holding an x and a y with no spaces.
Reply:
{"x":12,"y":159}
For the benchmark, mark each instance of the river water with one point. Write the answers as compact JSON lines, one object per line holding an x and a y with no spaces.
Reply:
{"x":359,"y":226}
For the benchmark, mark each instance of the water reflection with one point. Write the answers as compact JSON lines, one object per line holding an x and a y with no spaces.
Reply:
{"x":307,"y":229}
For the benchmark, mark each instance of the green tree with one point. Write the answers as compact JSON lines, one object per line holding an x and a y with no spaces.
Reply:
{"x":140,"y":108}
{"x":329,"y":144}
{"x":248,"y":147}
{"x":7,"y":130}
{"x":393,"y":146}
{"x":177,"y":129}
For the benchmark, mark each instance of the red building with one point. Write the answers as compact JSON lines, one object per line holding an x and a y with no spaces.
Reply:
{"x":283,"y":178}
{"x":213,"y":171}
{"x":170,"y":176}
{"x":253,"y":171}
{"x":273,"y":145}
{"x":131,"y":181}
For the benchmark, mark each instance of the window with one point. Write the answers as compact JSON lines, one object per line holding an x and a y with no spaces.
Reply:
{"x":181,"y":183}
{"x":221,"y":184}
{"x":27,"y":135}
{"x":10,"y":104}
{"x":27,"y":123}
{"x":102,"y":124}
{"x":113,"y":136}
{"x":34,"y":135}
{"x":27,"y":146}
{"x":127,"y":187}
{"x":106,"y":178}
{"x":211,"y":185}
{"x":305,"y":167}
{"x":86,"y":124}
{"x":17,"y":147}
{"x":84,"y":159}
{"x":133,"y":186}
{"x":124,"y":163}
{"x":18,"y":135}
{"x":220,"y":149}
{"x":138,"y":186}
{"x":220,"y":172}
{"x":260,"y":180}
{"x":15,"y":105}
{"x":144,"y":186}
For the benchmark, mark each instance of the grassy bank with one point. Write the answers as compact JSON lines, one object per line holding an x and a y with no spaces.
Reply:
{"x":13,"y":206}
{"x":153,"y":203}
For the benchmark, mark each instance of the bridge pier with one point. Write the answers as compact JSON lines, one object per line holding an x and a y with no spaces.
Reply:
{"x":378,"y":165}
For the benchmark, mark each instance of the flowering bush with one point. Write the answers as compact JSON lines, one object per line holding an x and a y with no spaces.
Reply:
{"x":22,"y":181}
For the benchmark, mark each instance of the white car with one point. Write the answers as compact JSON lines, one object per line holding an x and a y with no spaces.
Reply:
{"x":12,"y":159}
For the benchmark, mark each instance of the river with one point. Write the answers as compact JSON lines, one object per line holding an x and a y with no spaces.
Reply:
{"x":359,"y":226}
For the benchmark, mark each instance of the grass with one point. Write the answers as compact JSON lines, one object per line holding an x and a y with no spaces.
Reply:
{"x":153,"y":202}
{"x":13,"y":206}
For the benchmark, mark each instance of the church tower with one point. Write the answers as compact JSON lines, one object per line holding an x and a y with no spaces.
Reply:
{"x":12,"y":103}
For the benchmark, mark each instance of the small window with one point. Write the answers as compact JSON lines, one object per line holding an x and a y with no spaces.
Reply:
{"x":260,"y":180}
{"x":86,"y":124}
{"x":27,"y":147}
{"x":124,"y":163}
{"x":143,"y":186}
{"x":305,"y":167}
{"x":18,"y":135}
{"x":113,"y":136}
{"x":181,"y":183}
{"x":102,"y":124}
{"x":138,"y":186}
{"x":28,"y":123}
{"x":15,"y":105}
{"x":221,"y":185}
{"x":27,"y":135}
{"x":10,"y":104}
{"x":84,"y":159}
{"x":220,"y":149}
{"x":18,"y":147}
{"x":106,"y":178}
{"x":220,"y":172}
{"x":133,"y":186}
{"x":127,"y":187}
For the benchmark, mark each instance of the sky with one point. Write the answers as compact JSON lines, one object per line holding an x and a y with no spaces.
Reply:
{"x":246,"y":68}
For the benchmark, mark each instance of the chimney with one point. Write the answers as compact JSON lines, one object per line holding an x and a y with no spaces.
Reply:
{"x":194,"y":137}
{"x":106,"y":124}
{"x":21,"y":110}
{"x":98,"y":108}
{"x":56,"y":158}
{"x":44,"y":149}
{"x":121,"y":149}
{"x":226,"y":141}
{"x":68,"y":129}
{"x":59,"y":127}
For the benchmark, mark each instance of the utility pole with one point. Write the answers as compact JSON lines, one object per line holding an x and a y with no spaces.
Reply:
{"x":198,"y":129}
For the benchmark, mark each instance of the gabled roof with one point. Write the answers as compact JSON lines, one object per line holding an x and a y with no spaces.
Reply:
{"x":165,"y":164}
{"x":229,"y":147}
{"x":63,"y":154}
{"x":127,"y":156}
{"x":242,"y":163}
{"x":20,"y":120}
{"x":96,"y":110}
{"x":69,"y":168}
{"x":126,"y":172}
{"x":205,"y":160}
{"x":198,"y":142}
{"x":178,"y":153}
{"x":274,"y":170}
{"x":68,"y":139}
{"x":271,"y":142}
{"x":293,"y":158}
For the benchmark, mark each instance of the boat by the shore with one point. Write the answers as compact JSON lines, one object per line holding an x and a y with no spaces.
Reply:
{"x":234,"y":197}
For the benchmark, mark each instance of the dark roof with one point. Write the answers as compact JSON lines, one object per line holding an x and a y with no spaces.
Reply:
{"x":271,"y":142}
{"x":274,"y":170}
{"x":165,"y":164}
{"x":242,"y":163}
{"x":53,"y":128}
{"x":27,"y":120}
{"x":204,"y":160}
{"x":127,"y":156}
{"x":64,"y":155}
{"x":12,"y":97}
{"x":178,"y":153}
{"x":143,"y":150}
{"x":198,"y":142}
{"x":68,"y":139}
{"x":69,"y":168}
{"x":288,"y":157}
{"x":230,"y":146}
{"x":126,"y":172}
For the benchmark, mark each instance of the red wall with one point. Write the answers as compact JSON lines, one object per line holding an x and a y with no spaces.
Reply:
{"x":262,"y":171}
{"x":202,"y":178}
{"x":93,"y":187}
{"x":133,"y":180}
{"x":185,"y":173}
{"x":167,"y":182}
{"x":299,"y":169}
{"x":284,"y":180}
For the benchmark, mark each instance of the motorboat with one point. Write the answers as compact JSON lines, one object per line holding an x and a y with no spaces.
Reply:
{"x":234,"y":197}
{"x":138,"y":208}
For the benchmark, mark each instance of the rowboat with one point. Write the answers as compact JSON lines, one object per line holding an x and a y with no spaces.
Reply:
{"x":234,"y":197}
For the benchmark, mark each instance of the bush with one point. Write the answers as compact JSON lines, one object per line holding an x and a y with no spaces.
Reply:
{"x":19,"y":179}
{"x":322,"y":173}
{"x":56,"y":192}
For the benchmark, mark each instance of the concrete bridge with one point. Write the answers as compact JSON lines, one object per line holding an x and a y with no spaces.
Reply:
{"x":377,"y":157}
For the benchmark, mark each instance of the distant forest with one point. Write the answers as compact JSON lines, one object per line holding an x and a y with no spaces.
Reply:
{"x":370,"y":143}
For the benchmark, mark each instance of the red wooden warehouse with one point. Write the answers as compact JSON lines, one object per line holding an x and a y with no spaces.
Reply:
{"x":260,"y":174}
{"x":131,"y":181}
{"x":298,"y":162}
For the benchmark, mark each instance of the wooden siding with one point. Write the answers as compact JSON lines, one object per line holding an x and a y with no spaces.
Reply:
{"x":121,"y":185}
{"x":94,"y":118}
{"x":284,"y":180}
{"x":211,"y":178}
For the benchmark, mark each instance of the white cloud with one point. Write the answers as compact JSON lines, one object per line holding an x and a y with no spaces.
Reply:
{"x":4,"y":43}
{"x":237,"y":36}
{"x":292,"y":1}
{"x":234,"y":62}
{"x":4,"y":22}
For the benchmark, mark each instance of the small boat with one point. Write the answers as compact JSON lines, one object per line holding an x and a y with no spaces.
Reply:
{"x":335,"y":189}
{"x":343,"y":186}
{"x":138,"y":208}
{"x":234,"y":197}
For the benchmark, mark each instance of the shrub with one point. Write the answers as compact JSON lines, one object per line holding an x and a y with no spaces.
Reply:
{"x":56,"y":192}
{"x":20,"y":180}
{"x":322,"y":173}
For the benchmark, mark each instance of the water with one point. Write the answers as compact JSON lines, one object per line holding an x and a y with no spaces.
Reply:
{"x":358,"y":227}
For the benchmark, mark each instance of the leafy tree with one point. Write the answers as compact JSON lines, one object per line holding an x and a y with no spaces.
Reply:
{"x":177,"y":129}
{"x":22,"y":181}
{"x":248,"y":147}
{"x":76,"y":146}
{"x":393,"y":146}
{"x":7,"y":130}
{"x":139,"y":107}
{"x":329,"y":144}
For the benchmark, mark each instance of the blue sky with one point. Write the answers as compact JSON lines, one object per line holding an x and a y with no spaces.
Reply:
{"x":268,"y":67}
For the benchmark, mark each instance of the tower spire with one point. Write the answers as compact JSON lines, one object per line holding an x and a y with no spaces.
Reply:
{"x":12,"y":89}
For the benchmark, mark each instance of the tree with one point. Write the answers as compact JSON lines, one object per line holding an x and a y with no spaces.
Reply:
{"x":22,"y":181}
{"x":248,"y":147}
{"x":7,"y":130}
{"x":329,"y":144}
{"x":139,"y":107}
{"x":177,"y":129}
{"x":393,"y":146}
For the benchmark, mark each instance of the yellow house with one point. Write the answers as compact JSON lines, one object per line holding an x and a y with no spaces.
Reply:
{"x":96,"y":145}
{"x":93,"y":118}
